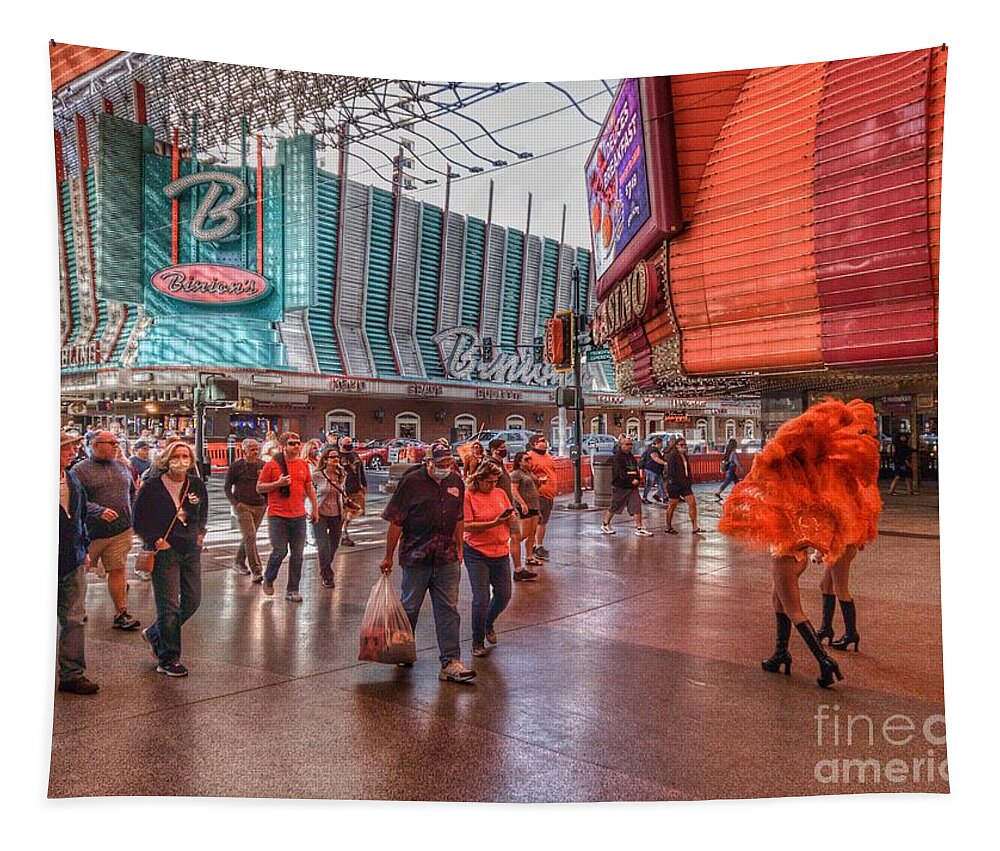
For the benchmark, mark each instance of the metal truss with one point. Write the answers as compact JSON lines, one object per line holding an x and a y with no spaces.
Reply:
{"x":215,"y":97}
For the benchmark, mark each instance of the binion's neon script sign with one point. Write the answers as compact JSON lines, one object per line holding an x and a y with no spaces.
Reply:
{"x":460,"y":350}
{"x":210,"y":284}
{"x":212,"y":206}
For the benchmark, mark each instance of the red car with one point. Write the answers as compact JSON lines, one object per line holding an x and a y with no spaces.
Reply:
{"x":374,"y":454}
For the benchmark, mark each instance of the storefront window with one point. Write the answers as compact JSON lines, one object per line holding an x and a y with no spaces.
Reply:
{"x":408,"y":425}
{"x":748,"y":429}
{"x":730,"y":429}
{"x":515,"y":421}
{"x":632,"y":428}
{"x":340,"y":422}
{"x":702,"y":426}
{"x":242,"y":426}
{"x":465,"y":426}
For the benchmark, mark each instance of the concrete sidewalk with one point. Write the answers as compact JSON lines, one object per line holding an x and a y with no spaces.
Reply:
{"x":629,"y":671}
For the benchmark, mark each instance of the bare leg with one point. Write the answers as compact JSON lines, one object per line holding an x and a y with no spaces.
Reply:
{"x":826,"y":580}
{"x":840,"y":574}
{"x":692,"y":504}
{"x":892,"y":486}
{"x":671,"y":507}
{"x":785,"y":573}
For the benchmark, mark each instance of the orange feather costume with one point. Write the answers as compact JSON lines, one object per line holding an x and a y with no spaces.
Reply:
{"x":814,"y":485}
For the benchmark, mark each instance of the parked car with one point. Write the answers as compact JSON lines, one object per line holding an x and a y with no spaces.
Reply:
{"x":399,"y":447}
{"x":593,"y":444}
{"x":751,"y":445}
{"x":374,"y":454}
{"x":515,"y":438}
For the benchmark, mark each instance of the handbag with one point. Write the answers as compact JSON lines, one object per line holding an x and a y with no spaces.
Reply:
{"x":349,"y":504}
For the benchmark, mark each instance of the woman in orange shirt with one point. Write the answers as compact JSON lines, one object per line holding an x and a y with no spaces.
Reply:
{"x":540,"y":463}
{"x":489,"y":521}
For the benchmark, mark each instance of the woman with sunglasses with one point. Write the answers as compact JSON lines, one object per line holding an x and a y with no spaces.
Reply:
{"x":328,"y":479}
{"x":489,"y":522}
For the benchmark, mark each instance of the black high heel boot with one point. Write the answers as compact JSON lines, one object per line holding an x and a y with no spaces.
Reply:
{"x":850,"y":635}
{"x":781,"y":656}
{"x":828,"y":669}
{"x":825,"y":630}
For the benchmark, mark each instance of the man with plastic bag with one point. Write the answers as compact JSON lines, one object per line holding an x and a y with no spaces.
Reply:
{"x":425,"y":522}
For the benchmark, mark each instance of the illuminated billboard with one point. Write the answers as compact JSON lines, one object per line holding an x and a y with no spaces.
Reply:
{"x":631,"y":179}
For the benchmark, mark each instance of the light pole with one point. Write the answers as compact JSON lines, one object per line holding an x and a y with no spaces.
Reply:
{"x":579,"y":322}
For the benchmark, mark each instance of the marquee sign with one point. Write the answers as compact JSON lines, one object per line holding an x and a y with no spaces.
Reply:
{"x":461,"y":353}
{"x":627,"y":304}
{"x":212,"y":206}
{"x":210,"y":285}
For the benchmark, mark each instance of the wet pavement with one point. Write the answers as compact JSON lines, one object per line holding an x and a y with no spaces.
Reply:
{"x":629,"y":671}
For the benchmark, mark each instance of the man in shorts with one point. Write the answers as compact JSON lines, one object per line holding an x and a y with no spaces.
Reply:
{"x":679,"y":482}
{"x":539,"y":462}
{"x":355,"y":485}
{"x":624,"y":488}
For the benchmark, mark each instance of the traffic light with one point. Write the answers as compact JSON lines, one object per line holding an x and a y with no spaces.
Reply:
{"x":221,"y":389}
{"x":566,"y":397}
{"x":487,"y":349}
{"x":539,"y":350}
{"x":560,"y":333}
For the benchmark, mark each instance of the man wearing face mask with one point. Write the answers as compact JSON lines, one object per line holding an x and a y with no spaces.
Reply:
{"x":542,"y":466}
{"x":679,"y":482}
{"x":425,"y":521}
{"x":356,"y":485}
{"x":171,"y":515}
{"x":249,"y":507}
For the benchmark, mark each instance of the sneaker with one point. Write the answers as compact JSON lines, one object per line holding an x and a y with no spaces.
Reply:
{"x":144,"y":575}
{"x":491,"y":636}
{"x":124,"y":620}
{"x":645,"y":501}
{"x":346,"y":541}
{"x":268,"y":587}
{"x":172,"y":669}
{"x":456,"y":672}
{"x":328,"y":583}
{"x":643,"y":532}
{"x":607,"y":530}
{"x":293,"y":596}
{"x":81,"y":685}
{"x":149,"y":640}
{"x":542,"y":553}
{"x":525,"y":576}
{"x":241,"y":568}
{"x":479,"y":650}
{"x":257,"y":578}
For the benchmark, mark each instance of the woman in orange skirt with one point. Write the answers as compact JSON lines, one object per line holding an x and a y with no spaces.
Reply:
{"x":813,"y":488}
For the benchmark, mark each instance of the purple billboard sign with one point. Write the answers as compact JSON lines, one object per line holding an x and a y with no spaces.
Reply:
{"x":617,"y":184}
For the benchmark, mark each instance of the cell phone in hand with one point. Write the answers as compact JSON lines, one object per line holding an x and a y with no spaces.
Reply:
{"x":507,"y":513}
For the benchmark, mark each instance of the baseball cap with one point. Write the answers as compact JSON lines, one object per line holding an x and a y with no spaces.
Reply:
{"x":439,"y":453}
{"x":140,"y":444}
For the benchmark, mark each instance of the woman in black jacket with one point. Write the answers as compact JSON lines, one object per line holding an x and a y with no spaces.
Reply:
{"x":679,"y":481}
{"x":170,"y":515}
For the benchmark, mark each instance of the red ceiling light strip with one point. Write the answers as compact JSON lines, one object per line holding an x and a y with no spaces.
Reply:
{"x":63,"y":254}
{"x":260,"y":206}
{"x":175,"y":204}
{"x":83,"y":154}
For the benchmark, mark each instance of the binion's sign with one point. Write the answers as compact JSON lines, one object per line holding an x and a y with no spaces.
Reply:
{"x":210,"y":285}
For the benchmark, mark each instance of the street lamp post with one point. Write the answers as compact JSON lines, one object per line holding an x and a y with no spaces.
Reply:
{"x":579,"y":323}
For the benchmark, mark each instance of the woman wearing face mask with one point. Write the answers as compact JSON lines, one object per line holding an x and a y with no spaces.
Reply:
{"x":170,"y":515}
{"x":329,"y":479}
{"x":541,"y":465}
{"x":489,"y":521}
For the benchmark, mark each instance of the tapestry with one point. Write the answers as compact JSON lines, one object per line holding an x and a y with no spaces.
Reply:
{"x":494,"y":441}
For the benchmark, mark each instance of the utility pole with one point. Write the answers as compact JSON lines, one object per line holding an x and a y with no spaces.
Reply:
{"x":579,"y":323}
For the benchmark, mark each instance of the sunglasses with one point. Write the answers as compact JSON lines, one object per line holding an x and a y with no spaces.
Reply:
{"x":294,"y":443}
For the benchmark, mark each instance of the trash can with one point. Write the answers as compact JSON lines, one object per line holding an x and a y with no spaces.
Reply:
{"x":601,"y":465}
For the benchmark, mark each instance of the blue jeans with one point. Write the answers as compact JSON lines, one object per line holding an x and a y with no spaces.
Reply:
{"x":442,"y":581}
{"x":327,"y":532}
{"x":654,"y":479}
{"x":69,"y":611}
{"x":177,"y":592}
{"x":486,"y":572}
{"x":731,"y":479}
{"x":286,"y":533}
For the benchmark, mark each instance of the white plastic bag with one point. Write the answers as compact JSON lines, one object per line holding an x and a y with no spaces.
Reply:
{"x":386,"y":635}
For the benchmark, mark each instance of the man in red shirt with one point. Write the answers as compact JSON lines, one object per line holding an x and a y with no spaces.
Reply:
{"x":287,"y":480}
{"x":540,"y":463}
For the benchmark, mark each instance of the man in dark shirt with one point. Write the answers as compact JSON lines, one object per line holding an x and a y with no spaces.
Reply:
{"x":72,"y":587}
{"x":425,"y":520}
{"x":248,"y":506}
{"x":679,"y":480}
{"x":140,"y":460}
{"x":355,"y":485}
{"x":624,"y":488}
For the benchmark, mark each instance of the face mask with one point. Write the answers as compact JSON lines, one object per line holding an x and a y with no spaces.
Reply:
{"x":440,"y":474}
{"x":501,"y":453}
{"x":348,"y":446}
{"x":541,"y":450}
{"x":179,"y":465}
